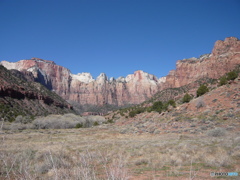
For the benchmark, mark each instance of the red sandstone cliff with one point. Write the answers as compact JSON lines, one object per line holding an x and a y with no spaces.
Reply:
{"x":224,"y":58}
{"x":19,"y":95}
{"x":83,"y":89}
{"x":135,"y":88}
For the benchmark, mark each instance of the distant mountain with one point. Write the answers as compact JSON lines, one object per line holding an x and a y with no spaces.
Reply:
{"x":19,"y":95}
{"x":225,"y":57}
{"x":82,"y":89}
{"x":85,"y":90}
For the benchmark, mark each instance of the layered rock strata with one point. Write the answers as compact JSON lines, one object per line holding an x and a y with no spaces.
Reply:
{"x":225,"y":57}
{"x":82,"y":88}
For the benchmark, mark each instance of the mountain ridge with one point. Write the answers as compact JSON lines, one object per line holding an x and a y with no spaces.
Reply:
{"x":20,"y":95}
{"x":135,"y":88}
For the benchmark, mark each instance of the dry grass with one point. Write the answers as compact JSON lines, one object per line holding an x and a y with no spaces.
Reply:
{"x":101,"y":153}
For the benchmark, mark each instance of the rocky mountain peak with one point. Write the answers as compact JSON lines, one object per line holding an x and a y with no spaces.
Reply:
{"x":102,"y":78}
{"x":83,"y":89}
{"x":42,"y":60}
{"x":83,"y":77}
{"x":112,"y":79}
{"x":121,"y":79}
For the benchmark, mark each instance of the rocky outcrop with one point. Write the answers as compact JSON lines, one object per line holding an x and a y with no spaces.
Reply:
{"x":83,"y":89}
{"x":19,"y":95}
{"x":52,"y":76}
{"x":224,"y":58}
{"x":135,"y":88}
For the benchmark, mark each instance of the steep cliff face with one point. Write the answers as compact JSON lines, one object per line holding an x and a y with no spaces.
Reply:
{"x":224,"y":58}
{"x":83,"y":89}
{"x":135,"y":88}
{"x":49,"y":74}
{"x":19,"y":95}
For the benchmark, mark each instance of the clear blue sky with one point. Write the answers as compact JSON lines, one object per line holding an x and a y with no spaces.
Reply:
{"x":116,"y":37}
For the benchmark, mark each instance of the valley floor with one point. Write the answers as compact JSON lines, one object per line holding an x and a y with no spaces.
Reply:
{"x":104,"y":152}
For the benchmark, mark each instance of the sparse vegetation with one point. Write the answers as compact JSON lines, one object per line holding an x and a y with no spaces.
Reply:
{"x":65,"y":121}
{"x":186,"y":98}
{"x":105,"y":154}
{"x":232,"y":75}
{"x":223,"y":81}
{"x":229,"y":76}
{"x":217,"y":132}
{"x":19,"y":97}
{"x":136,"y":111}
{"x":202,"y":90}
{"x":78,"y":125}
{"x":157,"y":106}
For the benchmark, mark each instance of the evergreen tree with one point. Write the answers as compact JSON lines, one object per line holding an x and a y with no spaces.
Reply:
{"x":202,"y":90}
{"x":186,"y":98}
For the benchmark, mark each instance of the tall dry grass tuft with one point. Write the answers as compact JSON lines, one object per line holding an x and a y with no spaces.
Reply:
{"x":115,"y":169}
{"x":60,"y":165}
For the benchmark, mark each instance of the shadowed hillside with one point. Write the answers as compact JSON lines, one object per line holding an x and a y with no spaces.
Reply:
{"x":20,"y":96}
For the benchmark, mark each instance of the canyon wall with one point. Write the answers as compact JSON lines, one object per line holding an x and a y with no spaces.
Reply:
{"x":83,"y":89}
{"x":225,"y":57}
{"x":135,"y":88}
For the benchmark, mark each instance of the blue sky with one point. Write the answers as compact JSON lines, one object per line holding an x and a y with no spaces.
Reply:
{"x":116,"y":37}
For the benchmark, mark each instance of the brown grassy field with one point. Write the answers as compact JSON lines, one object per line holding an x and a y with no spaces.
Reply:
{"x":103,"y":153}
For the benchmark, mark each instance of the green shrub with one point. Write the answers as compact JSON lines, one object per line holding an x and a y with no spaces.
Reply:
{"x":165,"y":107}
{"x":223,"y":81}
{"x":95,"y":123}
{"x":110,"y":121}
{"x":172,"y":103}
{"x":149,"y":109}
{"x":202,"y":90}
{"x":232,"y":75}
{"x":136,"y":111}
{"x":132,"y":113}
{"x":186,"y":98}
{"x":79,"y":125}
{"x":157,"y":106}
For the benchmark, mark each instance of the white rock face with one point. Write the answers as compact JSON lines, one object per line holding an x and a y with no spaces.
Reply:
{"x":9,"y":65}
{"x":121,"y":79}
{"x":129,"y":77}
{"x":112,"y":79}
{"x":83,"y":77}
{"x":142,"y":76}
{"x":102,"y":77}
{"x":162,"y":80}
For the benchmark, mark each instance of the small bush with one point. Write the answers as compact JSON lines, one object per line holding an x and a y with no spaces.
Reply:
{"x":78,"y":125}
{"x":136,"y":111}
{"x":95,"y":123}
{"x":186,"y":98}
{"x":232,"y":75}
{"x":66,"y":121}
{"x":110,"y":121}
{"x":202,"y":90}
{"x":216,"y":132}
{"x":223,"y":81}
{"x":132,"y":113}
{"x":149,"y":109}
{"x":172,"y":103}
{"x":157,"y":106}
